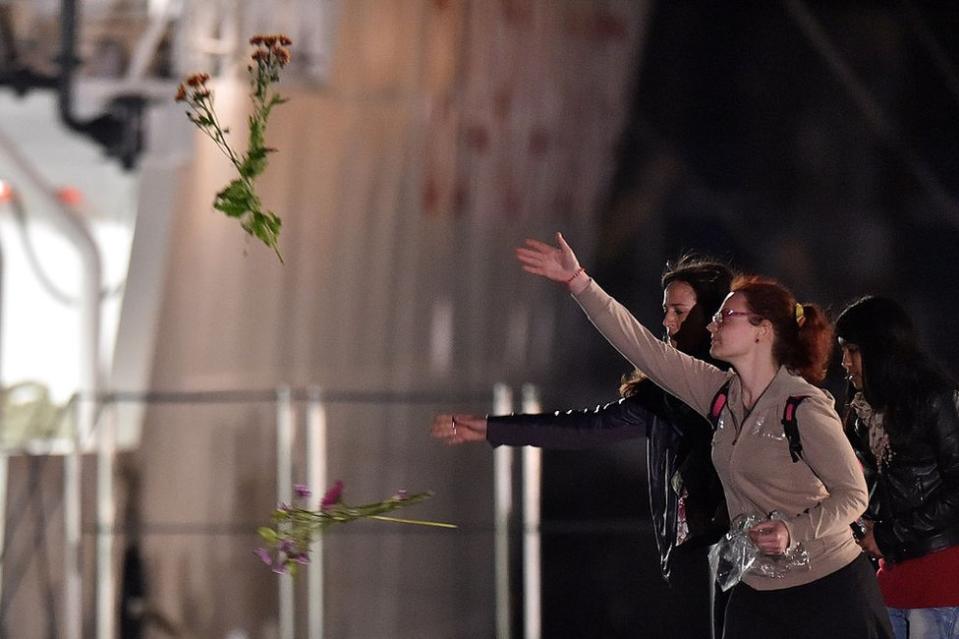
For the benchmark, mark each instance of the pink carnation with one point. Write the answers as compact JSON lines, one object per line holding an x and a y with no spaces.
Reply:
{"x":333,"y":495}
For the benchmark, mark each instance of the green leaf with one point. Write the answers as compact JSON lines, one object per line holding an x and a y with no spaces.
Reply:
{"x":267,"y":534}
{"x":254,"y":163}
{"x":236,"y":189}
{"x":257,"y":130}
{"x":229,"y":208}
{"x":235,"y":200}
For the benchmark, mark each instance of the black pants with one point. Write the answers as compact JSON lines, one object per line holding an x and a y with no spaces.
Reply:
{"x":702,"y":602}
{"x":844,"y":605}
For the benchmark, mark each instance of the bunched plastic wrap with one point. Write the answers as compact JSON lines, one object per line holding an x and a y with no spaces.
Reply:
{"x":735,"y":554}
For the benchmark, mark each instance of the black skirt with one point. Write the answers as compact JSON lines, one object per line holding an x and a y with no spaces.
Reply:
{"x":846,"y":604}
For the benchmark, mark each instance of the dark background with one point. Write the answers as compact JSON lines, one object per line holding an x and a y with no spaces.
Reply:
{"x":812,"y":142}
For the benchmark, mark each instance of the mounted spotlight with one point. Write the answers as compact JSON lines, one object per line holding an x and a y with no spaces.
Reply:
{"x":120,"y":129}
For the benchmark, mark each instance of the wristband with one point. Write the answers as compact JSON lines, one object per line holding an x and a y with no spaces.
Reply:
{"x":573,"y":276}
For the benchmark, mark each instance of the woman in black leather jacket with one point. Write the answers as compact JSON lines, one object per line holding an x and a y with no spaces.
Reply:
{"x":685,"y":496}
{"x":904,"y":425}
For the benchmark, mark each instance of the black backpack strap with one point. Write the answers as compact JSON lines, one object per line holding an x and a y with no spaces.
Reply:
{"x":719,"y":403}
{"x":791,"y":426}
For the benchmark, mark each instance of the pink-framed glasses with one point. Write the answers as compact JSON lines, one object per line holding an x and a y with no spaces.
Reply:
{"x":720,"y":317}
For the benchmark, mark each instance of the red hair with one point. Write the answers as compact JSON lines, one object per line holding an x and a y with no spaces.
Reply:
{"x":803,"y":333}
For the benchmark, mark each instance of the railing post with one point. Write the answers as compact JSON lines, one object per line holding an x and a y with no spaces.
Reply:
{"x":4,"y":481}
{"x":72,"y":552}
{"x":316,"y":473}
{"x":106,"y":519}
{"x":502,"y":511}
{"x":532,"y":491}
{"x":284,"y":494}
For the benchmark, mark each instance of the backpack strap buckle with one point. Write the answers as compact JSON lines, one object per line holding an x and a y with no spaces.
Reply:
{"x":791,"y":426}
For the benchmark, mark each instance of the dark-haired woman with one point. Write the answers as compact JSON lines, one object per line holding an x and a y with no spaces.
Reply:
{"x":904,"y":426}
{"x":685,"y":496}
{"x":777,"y":350}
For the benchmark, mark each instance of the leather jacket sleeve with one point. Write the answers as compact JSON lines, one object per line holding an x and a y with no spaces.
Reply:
{"x":617,"y":421}
{"x":940,"y":511}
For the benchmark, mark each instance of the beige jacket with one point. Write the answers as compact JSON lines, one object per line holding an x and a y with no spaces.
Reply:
{"x":820,"y":495}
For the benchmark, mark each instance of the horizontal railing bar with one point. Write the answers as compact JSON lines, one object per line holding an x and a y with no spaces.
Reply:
{"x":299,"y":395}
{"x":618,"y":526}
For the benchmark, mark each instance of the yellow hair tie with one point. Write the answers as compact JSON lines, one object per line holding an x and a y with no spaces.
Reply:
{"x":800,"y":315}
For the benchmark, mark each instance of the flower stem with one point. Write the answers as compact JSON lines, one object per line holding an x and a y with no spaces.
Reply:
{"x":418,"y":522}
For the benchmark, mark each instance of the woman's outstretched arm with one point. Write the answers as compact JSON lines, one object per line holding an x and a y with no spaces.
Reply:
{"x":617,"y":421}
{"x":691,"y":380}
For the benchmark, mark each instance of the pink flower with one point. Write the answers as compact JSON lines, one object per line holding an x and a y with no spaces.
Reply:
{"x":333,"y":495}
{"x":302,"y":490}
{"x":301,"y":558}
{"x":264,"y":556}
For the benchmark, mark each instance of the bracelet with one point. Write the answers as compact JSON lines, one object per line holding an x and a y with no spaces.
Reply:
{"x":573,"y":276}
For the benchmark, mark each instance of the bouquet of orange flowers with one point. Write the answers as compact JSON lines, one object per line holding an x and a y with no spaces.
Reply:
{"x":295,"y":526}
{"x":239,"y":198}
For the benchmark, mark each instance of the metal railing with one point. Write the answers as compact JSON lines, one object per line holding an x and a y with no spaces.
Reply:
{"x":313,"y":421}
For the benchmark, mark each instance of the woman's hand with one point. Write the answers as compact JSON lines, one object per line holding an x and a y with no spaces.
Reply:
{"x":459,"y":429}
{"x":868,"y":541}
{"x":558,"y":264}
{"x":771,"y":537}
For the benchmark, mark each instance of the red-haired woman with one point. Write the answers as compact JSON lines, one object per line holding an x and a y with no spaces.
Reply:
{"x":807,"y":489}
{"x":686,"y":500}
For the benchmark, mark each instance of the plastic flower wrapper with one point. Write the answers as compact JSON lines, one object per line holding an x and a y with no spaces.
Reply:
{"x":735,"y":554}
{"x":239,"y":198}
{"x":295,"y":527}
{"x":776,"y":566}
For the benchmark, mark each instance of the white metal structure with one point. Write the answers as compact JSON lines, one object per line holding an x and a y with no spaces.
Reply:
{"x":503,"y":461}
{"x":532,"y":493}
{"x":502,"y":512}
{"x":207,"y":35}
{"x":79,"y":235}
{"x":316,"y":473}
